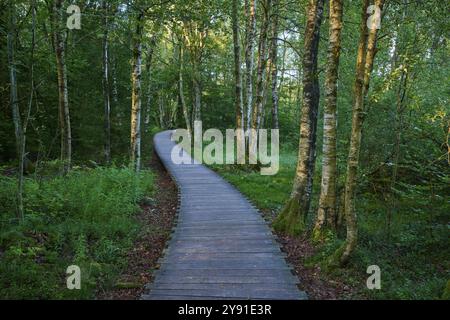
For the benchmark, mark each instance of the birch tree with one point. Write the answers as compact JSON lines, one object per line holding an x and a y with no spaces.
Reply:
{"x":148,"y":71}
{"x":60,"y":35}
{"x":106,"y":85}
{"x":326,"y":214}
{"x":13,"y":100}
{"x":19,"y":128}
{"x":274,"y":64}
{"x":239,"y":108}
{"x":257,"y":108}
{"x":250,"y":11}
{"x":364,"y":65}
{"x":184,"y":107}
{"x":292,"y":218}
{"x":135,"y":145}
{"x":195,"y":34}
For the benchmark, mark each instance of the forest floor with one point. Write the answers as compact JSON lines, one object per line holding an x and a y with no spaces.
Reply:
{"x":156,"y":220}
{"x":317,"y":284}
{"x":413,"y":257}
{"x":108,"y":232}
{"x":86,"y":218}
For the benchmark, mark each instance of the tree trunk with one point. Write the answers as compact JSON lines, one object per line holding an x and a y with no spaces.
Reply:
{"x":135,"y":158}
{"x":364,"y":65}
{"x":64,"y":115}
{"x":326,"y":214}
{"x":181,"y":91}
{"x":14,"y":100}
{"x":274,"y":64}
{"x":260,"y":83}
{"x":250,"y":56}
{"x":239,"y":108}
{"x":196,"y":82}
{"x":106,"y":86}
{"x":292,"y":217}
{"x":114,"y":89}
{"x":22,"y":154}
{"x":283,"y":67}
{"x":262,"y":66}
{"x":162,"y":114}
{"x":195,"y":39}
{"x":148,"y":70}
{"x":401,"y":94}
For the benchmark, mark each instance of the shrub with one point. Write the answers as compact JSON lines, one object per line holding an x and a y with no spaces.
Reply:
{"x":85,"y":218}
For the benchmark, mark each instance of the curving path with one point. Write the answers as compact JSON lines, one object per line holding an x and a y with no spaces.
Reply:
{"x":221,"y":247}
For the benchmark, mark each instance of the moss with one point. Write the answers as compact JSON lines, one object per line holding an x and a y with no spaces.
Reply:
{"x":323,"y":235}
{"x":290,"y":220}
{"x":334,"y":261}
{"x":318,"y":235}
{"x":446,"y":294}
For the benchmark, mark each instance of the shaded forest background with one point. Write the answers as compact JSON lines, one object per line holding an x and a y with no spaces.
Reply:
{"x":187,"y":59}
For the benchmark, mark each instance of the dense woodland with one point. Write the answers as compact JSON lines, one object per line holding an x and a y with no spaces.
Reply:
{"x":362,"y":111}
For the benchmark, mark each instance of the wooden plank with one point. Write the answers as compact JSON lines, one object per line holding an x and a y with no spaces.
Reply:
{"x":276,"y":294}
{"x":225,"y":264}
{"x":227,"y":279}
{"x":236,"y":287}
{"x":225,"y":272}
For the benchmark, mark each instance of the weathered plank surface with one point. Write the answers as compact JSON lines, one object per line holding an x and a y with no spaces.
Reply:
{"x":221,"y":247}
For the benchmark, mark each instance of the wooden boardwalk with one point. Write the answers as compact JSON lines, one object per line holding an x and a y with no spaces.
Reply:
{"x":221,"y":247}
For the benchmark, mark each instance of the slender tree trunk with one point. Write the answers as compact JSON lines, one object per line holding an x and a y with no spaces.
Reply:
{"x":364,"y":65}
{"x":274,"y":64}
{"x":260,"y":83}
{"x":326,"y":214}
{"x":283,"y":68}
{"x":173,"y":114}
{"x":148,"y":70}
{"x":22,"y":155}
{"x":250,"y":56}
{"x":266,"y":85}
{"x":136,"y":94}
{"x":106,"y":86}
{"x":239,"y":107}
{"x":401,"y":94}
{"x":181,"y":91}
{"x":196,"y":82}
{"x":292,"y":217}
{"x":195,"y":38}
{"x":262,"y":66}
{"x":64,"y":114}
{"x":14,"y":100}
{"x":343,"y":253}
{"x":114,"y":89}
{"x":162,"y":114}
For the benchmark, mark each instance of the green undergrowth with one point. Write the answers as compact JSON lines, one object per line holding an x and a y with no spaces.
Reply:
{"x":86,"y":218}
{"x":413,"y":253}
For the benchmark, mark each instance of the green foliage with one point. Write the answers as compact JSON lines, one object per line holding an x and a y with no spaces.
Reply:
{"x":413,"y":255}
{"x":88,"y":216}
{"x":85,"y":218}
{"x":446,"y":294}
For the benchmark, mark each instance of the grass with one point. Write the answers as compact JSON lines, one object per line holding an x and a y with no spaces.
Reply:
{"x":86,"y":218}
{"x":414,"y":259}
